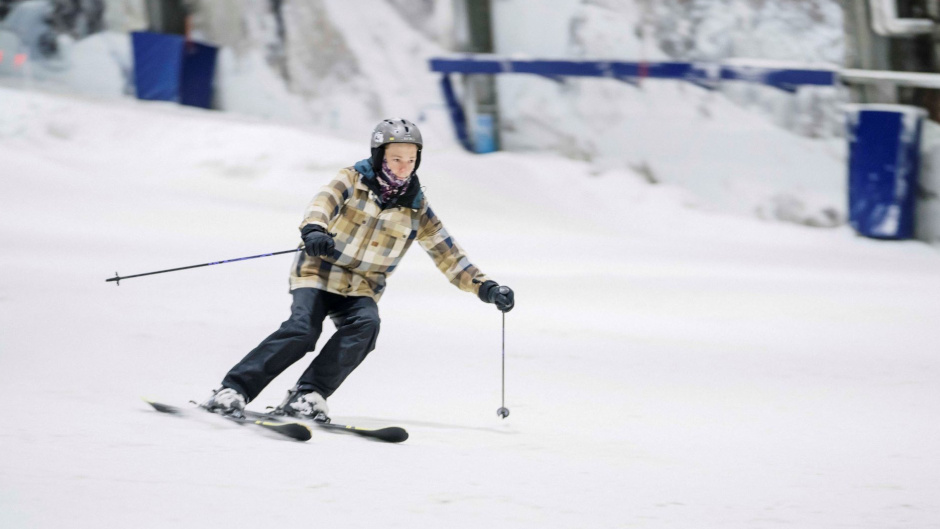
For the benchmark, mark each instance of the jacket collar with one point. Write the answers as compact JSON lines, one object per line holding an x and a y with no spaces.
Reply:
{"x":412,"y":196}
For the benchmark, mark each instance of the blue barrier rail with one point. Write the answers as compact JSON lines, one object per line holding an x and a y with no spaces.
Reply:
{"x":704,"y":74}
{"x":708,"y":75}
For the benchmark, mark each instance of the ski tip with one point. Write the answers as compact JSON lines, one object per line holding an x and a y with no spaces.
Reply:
{"x":294,"y":430}
{"x":301,"y":432}
{"x":392,"y":434}
{"x":165,"y":408}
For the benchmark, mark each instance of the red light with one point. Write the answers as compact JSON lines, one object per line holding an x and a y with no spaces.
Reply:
{"x":1,"y":56}
{"x":19,"y":59}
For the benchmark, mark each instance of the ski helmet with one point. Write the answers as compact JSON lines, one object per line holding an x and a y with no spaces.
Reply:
{"x":394,"y":131}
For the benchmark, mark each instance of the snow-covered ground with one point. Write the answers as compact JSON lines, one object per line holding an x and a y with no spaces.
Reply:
{"x":734,"y":149}
{"x":667,"y":366}
{"x":731,"y":150}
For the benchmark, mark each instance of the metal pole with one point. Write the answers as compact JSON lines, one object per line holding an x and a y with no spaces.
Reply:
{"x":503,"y":411}
{"x":118,"y":278}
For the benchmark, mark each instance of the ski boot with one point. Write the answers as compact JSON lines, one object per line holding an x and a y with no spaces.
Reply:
{"x":226,"y":401}
{"x":304,"y":405}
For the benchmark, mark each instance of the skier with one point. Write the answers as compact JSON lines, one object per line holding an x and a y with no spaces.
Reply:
{"x":355,"y":231}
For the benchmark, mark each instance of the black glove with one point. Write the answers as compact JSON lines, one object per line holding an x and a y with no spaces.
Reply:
{"x":317,"y":242}
{"x":502,"y":296}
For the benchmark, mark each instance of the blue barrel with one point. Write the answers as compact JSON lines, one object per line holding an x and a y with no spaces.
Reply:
{"x":170,"y":68}
{"x":884,"y":162}
{"x":158,"y":65}
{"x":196,"y":81}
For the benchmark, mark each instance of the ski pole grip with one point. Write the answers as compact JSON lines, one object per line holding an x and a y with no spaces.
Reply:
{"x":504,"y":290}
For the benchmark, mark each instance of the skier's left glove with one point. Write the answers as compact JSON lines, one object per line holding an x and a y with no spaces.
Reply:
{"x":502,"y":296}
{"x":317,"y":242}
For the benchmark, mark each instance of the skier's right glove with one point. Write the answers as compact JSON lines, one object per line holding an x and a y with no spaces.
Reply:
{"x":317,"y":242}
{"x":502,"y":296}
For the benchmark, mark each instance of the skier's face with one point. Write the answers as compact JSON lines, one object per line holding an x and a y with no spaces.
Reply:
{"x":401,"y":158}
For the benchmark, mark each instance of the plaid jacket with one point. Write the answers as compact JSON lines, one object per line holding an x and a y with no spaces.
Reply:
{"x":370,"y":241}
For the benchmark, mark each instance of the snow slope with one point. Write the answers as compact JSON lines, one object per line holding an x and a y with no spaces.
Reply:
{"x":733,"y":149}
{"x":666,"y":366}
{"x":342,"y":79}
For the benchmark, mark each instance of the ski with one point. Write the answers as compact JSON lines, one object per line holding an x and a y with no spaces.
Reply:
{"x":290,"y":429}
{"x":389,"y":434}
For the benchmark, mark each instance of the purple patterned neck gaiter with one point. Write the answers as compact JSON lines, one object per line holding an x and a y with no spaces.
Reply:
{"x":391,"y":186}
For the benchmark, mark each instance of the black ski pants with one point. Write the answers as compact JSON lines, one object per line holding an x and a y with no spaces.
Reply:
{"x":357,"y":327}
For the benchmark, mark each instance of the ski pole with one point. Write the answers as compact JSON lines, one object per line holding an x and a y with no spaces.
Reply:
{"x":503,"y":411}
{"x":117,"y":279}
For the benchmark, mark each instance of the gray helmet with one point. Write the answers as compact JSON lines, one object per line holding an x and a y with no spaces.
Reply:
{"x":396,"y":131}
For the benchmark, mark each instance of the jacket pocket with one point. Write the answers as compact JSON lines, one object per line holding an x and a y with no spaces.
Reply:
{"x":348,"y":224}
{"x":387,"y":245}
{"x":399,"y":231}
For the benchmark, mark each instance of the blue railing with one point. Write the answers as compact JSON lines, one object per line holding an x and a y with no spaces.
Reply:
{"x":708,"y":75}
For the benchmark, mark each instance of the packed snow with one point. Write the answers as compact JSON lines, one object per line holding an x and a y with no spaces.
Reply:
{"x":677,"y":357}
{"x":667,"y":365}
{"x":734,"y":150}
{"x":358,"y":77}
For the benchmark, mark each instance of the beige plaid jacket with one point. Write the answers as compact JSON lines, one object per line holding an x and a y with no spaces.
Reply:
{"x":370,"y":241}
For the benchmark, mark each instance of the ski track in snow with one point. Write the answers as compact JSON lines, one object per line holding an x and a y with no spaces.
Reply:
{"x":666,"y":366}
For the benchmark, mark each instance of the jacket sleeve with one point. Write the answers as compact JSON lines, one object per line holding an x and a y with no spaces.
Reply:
{"x":327,"y":203}
{"x":447,"y":255}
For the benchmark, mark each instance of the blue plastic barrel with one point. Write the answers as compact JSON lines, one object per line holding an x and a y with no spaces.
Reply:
{"x":169,"y":68}
{"x":196,"y":82}
{"x":884,"y":162}
{"x":158,"y":65}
